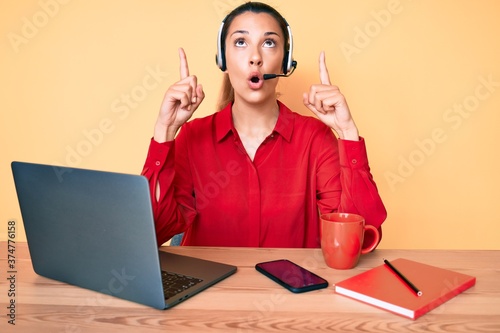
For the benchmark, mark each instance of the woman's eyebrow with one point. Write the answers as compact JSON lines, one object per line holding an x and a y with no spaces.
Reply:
{"x":272,"y":33}
{"x":240,"y":32}
{"x":269,"y":33}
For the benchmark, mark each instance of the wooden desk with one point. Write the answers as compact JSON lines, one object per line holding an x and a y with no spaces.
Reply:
{"x":249,"y":302}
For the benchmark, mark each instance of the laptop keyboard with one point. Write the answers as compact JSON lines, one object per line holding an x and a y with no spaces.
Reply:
{"x":174,"y":283}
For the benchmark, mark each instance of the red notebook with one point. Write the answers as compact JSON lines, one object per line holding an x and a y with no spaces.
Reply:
{"x":381,"y":287}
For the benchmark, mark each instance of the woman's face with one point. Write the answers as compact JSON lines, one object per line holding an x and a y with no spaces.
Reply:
{"x":254,"y":46}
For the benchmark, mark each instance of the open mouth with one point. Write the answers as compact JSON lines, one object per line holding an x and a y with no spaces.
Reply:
{"x":255,"y":81}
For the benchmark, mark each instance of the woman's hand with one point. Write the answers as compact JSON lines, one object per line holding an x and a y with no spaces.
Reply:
{"x":329,"y":105}
{"x":179,"y":103}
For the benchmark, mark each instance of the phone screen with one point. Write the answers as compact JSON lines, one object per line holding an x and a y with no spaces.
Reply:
{"x":291,"y":275}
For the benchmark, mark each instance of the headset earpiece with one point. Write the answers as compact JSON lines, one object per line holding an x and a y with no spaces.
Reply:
{"x":288,"y":62}
{"x":220,"y":57}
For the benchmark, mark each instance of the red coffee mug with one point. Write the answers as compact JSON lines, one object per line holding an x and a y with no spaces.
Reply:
{"x":342,"y":236}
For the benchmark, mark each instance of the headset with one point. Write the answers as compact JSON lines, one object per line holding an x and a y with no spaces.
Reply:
{"x":288,"y":63}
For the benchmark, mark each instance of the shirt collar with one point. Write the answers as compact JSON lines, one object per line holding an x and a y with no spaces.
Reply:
{"x":284,"y":126}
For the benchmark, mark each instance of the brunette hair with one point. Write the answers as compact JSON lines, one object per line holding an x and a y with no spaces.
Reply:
{"x":227,"y":91}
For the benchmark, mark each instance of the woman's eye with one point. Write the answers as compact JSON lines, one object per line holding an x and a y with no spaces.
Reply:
{"x":269,"y":43}
{"x":239,"y":42}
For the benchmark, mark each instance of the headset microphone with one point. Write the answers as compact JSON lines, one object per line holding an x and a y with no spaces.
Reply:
{"x":273,"y":76}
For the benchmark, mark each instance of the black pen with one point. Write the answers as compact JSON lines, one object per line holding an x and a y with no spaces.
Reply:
{"x":405,"y":280}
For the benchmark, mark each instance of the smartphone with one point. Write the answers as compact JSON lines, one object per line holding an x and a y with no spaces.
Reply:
{"x":293,"y":277}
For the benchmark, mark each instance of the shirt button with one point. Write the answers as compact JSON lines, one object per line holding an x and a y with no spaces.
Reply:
{"x":354,"y":161}
{"x":158,"y":163}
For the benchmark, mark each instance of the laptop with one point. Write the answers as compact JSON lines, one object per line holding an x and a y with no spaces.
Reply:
{"x":95,"y":230}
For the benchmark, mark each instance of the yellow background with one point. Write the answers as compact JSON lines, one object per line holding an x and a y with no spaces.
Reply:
{"x":82,"y":82}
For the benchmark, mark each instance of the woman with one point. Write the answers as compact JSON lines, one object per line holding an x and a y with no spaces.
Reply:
{"x":255,"y":173}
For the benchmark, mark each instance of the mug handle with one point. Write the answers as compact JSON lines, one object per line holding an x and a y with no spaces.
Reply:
{"x":376,"y":239}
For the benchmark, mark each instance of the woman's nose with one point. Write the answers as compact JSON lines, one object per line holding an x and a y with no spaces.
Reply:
{"x":256,"y":58}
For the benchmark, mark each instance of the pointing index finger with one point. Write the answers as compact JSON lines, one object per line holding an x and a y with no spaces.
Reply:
{"x":184,"y":69}
{"x":323,"y":71}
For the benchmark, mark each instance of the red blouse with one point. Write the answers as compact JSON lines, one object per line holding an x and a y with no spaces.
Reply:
{"x":211,"y":189}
